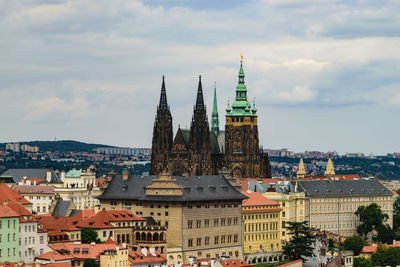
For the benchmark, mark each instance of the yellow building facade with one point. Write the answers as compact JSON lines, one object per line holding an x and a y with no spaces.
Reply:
{"x":261,"y":224}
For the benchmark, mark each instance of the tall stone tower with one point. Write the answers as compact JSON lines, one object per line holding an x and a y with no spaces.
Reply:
{"x":199,"y":138}
{"x":243,"y":156}
{"x":162,"y":134}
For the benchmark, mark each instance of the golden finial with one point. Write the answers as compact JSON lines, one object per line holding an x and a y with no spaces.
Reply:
{"x":241,"y":57}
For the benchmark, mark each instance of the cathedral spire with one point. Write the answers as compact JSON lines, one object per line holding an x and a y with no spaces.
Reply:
{"x":163,"y":96}
{"x":215,"y":121}
{"x":199,"y":99}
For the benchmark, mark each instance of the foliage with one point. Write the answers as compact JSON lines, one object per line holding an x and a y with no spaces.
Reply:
{"x":385,"y":256}
{"x":90,"y":263}
{"x":354,"y":243}
{"x":331,"y":244}
{"x":89,"y":235}
{"x":362,"y":262}
{"x":396,"y":217}
{"x":371,"y":218}
{"x":385,"y":234}
{"x":300,"y":246}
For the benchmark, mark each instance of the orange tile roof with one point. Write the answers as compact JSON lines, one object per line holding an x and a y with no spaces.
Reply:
{"x":289,"y":263}
{"x":256,"y":199}
{"x":138,"y":257}
{"x":372,"y":248}
{"x":7,"y":212}
{"x":110,"y":241}
{"x":66,"y":251}
{"x":11,"y":264}
{"x":20,"y":210}
{"x":100,"y":181}
{"x":57,"y":264}
{"x":7,"y":195}
{"x":234,"y":262}
{"x":103,"y":218}
{"x":394,"y":192}
{"x":56,"y":223}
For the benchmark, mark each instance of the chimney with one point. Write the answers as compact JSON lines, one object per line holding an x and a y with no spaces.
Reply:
{"x":62,"y":176}
{"x":48,"y":176}
{"x":125,"y":175}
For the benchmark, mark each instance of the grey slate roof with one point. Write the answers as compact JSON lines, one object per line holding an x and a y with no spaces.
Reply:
{"x":61,"y":208}
{"x":195,"y":188}
{"x":18,"y":174}
{"x":343,"y":188}
{"x":186,"y":135}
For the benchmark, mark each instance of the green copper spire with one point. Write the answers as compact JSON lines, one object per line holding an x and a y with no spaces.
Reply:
{"x":214,"y":120}
{"x":241,"y":106}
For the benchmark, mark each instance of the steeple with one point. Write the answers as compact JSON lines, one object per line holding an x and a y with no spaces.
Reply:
{"x":241,"y":106}
{"x":163,"y":96}
{"x":199,"y":99}
{"x":214,"y":120}
{"x":301,"y":172}
{"x":329,"y":168}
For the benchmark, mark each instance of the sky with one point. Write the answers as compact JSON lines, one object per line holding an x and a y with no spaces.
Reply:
{"x":325,"y":75}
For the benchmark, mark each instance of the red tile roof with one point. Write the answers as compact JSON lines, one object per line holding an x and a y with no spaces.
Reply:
{"x":102,"y":219}
{"x":56,"y":223}
{"x":138,"y":257}
{"x":394,"y":192}
{"x":7,"y":212}
{"x":234,"y":262}
{"x":12,"y":264}
{"x":372,"y":248}
{"x":100,"y":181}
{"x":7,"y":195}
{"x":289,"y":263}
{"x":57,"y":264}
{"x":70,"y":251}
{"x":256,"y":199}
{"x":34,"y":189}
{"x":110,"y":241}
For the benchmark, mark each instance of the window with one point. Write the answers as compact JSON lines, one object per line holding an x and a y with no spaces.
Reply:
{"x":104,"y":234}
{"x":235,"y":238}
{"x":8,"y":224}
{"x":229,"y":238}
{"x":14,"y":237}
{"x":41,"y":241}
{"x":190,"y":242}
{"x":166,"y":213}
{"x":222,"y":222}
{"x":235,"y":221}
{"x":207,"y":240}
{"x":190,"y":206}
{"x":215,"y":222}
{"x":206,"y":223}
{"x":229,"y":221}
{"x":198,"y":206}
{"x":222,"y":239}
{"x":190,"y":224}
{"x":198,"y":224}
{"x":8,"y":237}
{"x":216,"y":240}
{"x":198,"y":242}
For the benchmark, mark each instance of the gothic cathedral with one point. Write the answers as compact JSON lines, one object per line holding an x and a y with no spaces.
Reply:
{"x":205,"y":151}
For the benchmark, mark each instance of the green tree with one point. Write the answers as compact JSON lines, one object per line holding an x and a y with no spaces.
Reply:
{"x":396,"y":214}
{"x":385,"y":234}
{"x":385,"y":256}
{"x":300,"y":246}
{"x":362,"y":262}
{"x":90,"y":263}
{"x":371,"y":217}
{"x":354,"y":243}
{"x":88,"y":235}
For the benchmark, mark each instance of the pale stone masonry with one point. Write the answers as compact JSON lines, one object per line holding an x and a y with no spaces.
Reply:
{"x":331,"y":204}
{"x":202,"y":214}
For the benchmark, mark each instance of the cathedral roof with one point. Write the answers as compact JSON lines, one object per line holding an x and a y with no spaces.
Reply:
{"x":195,"y":188}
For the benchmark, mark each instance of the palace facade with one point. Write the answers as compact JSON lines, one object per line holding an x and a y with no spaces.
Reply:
{"x":205,"y":151}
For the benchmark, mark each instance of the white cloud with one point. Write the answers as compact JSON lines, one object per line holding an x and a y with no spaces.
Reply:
{"x":297,"y":94}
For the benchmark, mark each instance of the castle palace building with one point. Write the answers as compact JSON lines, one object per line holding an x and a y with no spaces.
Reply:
{"x":205,"y":151}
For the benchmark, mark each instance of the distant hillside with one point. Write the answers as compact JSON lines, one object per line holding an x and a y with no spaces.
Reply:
{"x":62,"y":146}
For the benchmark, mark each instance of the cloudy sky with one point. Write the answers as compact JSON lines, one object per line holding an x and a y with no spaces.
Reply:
{"x":325,"y":74}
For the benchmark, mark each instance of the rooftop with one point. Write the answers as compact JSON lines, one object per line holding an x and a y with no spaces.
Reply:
{"x":195,"y":188}
{"x":7,"y":195}
{"x":256,"y":199}
{"x":7,"y":212}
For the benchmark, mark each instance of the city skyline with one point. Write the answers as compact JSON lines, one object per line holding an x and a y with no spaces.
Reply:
{"x":324,"y":74}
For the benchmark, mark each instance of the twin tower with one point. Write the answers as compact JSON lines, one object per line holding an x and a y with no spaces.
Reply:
{"x":204,"y":151}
